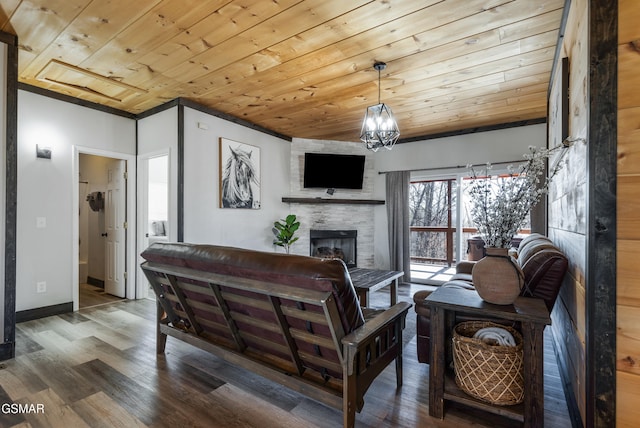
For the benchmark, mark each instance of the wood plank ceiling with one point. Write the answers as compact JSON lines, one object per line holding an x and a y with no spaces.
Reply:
{"x":302,"y":68}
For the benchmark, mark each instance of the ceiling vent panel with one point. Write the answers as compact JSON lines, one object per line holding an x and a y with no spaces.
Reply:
{"x":78,"y":79}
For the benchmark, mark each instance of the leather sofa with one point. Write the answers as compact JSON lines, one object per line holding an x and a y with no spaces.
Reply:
{"x":293,"y":319}
{"x":542,"y":263}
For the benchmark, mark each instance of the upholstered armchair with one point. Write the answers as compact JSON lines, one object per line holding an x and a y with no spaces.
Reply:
{"x":544,"y":267}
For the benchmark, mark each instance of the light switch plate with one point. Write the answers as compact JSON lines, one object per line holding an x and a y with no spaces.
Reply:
{"x":41,"y":222}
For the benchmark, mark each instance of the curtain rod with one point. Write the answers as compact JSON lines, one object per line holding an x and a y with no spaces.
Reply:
{"x":566,"y":143}
{"x":455,"y":166}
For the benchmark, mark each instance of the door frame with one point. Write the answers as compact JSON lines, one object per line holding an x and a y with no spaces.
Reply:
{"x":130,"y":233}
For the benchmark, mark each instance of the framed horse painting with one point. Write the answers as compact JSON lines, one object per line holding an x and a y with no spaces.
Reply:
{"x":239,"y":175}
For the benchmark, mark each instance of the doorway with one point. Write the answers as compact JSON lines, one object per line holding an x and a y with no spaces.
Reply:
{"x":102,"y":207}
{"x":153,"y":211}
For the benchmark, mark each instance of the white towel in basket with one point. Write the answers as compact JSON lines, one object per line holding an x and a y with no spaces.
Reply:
{"x":495,"y":336}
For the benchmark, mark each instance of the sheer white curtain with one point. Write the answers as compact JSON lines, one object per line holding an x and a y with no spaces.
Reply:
{"x":397,"y":187}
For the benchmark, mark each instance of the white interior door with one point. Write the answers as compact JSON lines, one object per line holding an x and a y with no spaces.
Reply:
{"x":115,"y":213}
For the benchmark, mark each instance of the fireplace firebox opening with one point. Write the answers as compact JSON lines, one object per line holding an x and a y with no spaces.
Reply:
{"x":339,"y":244}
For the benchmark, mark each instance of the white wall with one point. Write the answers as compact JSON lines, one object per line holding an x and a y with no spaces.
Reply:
{"x":46,"y":189}
{"x":204,"y":220}
{"x":493,"y":146}
{"x":159,"y":133}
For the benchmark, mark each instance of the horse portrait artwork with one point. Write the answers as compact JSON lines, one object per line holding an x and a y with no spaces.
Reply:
{"x":240,"y":175}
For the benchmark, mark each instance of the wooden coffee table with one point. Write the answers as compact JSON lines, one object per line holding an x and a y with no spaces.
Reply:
{"x":367,"y":280}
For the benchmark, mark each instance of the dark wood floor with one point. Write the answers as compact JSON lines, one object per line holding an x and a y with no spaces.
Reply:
{"x":98,"y":368}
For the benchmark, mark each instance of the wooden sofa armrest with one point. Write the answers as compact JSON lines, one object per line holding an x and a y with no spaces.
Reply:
{"x":465,"y":266}
{"x":367,"y":351}
{"x":372,"y":328}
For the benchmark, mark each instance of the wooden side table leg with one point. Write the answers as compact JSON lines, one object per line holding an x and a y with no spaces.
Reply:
{"x":436,"y":365}
{"x":363,"y":296}
{"x":533,"y":359}
{"x":394,"y":291}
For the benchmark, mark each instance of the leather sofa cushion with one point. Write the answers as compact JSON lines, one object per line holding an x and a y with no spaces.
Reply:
{"x":467,"y":277}
{"x":530,"y":238}
{"x":297,"y":271}
{"x":544,"y":273}
{"x":531,"y":249}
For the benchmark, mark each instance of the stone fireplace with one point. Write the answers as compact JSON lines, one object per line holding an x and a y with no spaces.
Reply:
{"x":320,"y":211}
{"x":340,"y":244}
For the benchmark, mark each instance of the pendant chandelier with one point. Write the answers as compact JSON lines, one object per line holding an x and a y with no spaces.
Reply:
{"x":379,"y":128}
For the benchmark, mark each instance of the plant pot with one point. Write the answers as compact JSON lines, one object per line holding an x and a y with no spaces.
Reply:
{"x":497,"y":277}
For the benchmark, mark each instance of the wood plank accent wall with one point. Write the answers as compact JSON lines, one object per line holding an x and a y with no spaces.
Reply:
{"x":628,"y":251}
{"x":582,"y":217}
{"x":567,"y":204}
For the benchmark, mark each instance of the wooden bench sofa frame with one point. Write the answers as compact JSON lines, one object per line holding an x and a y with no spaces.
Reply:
{"x":363,"y":353}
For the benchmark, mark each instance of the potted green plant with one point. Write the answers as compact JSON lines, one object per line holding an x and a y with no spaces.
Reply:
{"x":284,"y":231}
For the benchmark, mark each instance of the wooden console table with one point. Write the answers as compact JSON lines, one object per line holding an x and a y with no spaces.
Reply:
{"x":533,"y":316}
{"x":367,"y":280}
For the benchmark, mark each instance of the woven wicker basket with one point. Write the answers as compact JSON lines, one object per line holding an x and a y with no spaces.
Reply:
{"x":491,"y":373}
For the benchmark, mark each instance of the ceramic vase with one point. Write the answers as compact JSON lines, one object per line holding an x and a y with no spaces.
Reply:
{"x":497,"y":277}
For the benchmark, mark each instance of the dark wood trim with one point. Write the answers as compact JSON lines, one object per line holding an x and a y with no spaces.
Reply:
{"x":229,"y":118}
{"x":473,"y":130}
{"x":180,"y":177}
{"x":11,"y":197}
{"x":564,"y":97}
{"x":43,"y":312}
{"x":7,"y":350}
{"x":76,"y":101}
{"x":155,"y":110}
{"x":290,"y":200}
{"x":8,"y":39}
{"x":600,"y":275}
{"x":95,"y":281}
{"x":158,"y":109}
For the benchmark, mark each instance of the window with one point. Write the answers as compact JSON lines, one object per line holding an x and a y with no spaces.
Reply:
{"x":468,"y":228}
{"x":435,"y":245}
{"x":432,"y":221}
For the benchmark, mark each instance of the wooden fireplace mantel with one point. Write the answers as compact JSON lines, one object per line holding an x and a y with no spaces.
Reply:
{"x":294,"y":200}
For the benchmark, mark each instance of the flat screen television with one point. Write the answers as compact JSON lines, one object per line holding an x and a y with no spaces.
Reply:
{"x":333,"y":171}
